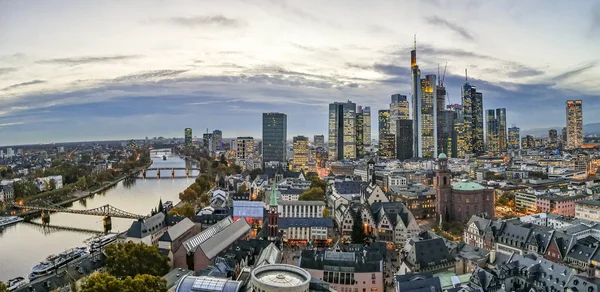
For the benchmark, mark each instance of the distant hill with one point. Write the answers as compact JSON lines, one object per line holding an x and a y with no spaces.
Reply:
{"x":588,"y":129}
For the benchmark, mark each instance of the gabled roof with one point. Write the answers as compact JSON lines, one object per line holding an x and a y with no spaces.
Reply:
{"x":349,"y":187}
{"x":217,"y":243}
{"x":270,"y":255}
{"x":481,"y":223}
{"x":191,"y":244}
{"x":178,"y":230}
{"x":142,"y":228}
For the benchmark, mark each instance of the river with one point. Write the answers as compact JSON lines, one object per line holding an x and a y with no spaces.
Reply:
{"x":23,"y":245}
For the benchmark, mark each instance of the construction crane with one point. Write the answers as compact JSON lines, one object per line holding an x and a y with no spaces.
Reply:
{"x":71,"y":153}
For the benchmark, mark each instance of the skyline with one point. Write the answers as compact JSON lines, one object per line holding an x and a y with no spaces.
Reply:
{"x":69,"y":76}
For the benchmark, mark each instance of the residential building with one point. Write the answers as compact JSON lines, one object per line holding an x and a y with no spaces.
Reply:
{"x":514,"y":138}
{"x":319,"y":141}
{"x":588,"y":210}
{"x":387,"y":146}
{"x":418,"y":198}
{"x":574,"y":124}
{"x":300,"y":153}
{"x":172,"y":240}
{"x":54,"y":182}
{"x":7,"y":192}
{"x":274,"y":137}
{"x":360,"y":128}
{"x":300,"y":209}
{"x":342,"y":130}
{"x":245,"y":148}
{"x":188,"y":137}
{"x":403,"y":141}
{"x":367,"y":126}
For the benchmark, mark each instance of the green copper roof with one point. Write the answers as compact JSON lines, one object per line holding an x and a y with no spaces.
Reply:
{"x":442,"y":155}
{"x":467,"y":186}
{"x":273,"y":201}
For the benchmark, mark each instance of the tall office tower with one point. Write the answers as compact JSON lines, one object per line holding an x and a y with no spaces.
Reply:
{"x":446,"y":133}
{"x":319,"y":141}
{"x":458,"y":131}
{"x":441,"y":108}
{"x":501,"y":117}
{"x":428,"y":122}
{"x":188,"y":137}
{"x":553,"y":138}
{"x":367,"y":126}
{"x":207,"y":140}
{"x":563,"y":135}
{"x":387,"y":146}
{"x":245,"y":147}
{"x":360,"y":138}
{"x":473,"y":119}
{"x":492,"y":133}
{"x":274,"y":137}
{"x":398,"y":110}
{"x":384,"y":123}
{"x":528,"y":142}
{"x":416,"y":101}
{"x":342,"y":130}
{"x":574,"y":124}
{"x":218,"y":136}
{"x":514,"y":137}
{"x":300,"y":153}
{"x":404,"y":139}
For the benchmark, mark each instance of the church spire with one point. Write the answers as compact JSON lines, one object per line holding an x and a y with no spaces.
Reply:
{"x":273,"y":200}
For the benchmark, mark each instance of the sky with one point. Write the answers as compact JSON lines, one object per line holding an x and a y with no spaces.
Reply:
{"x":95,"y":70}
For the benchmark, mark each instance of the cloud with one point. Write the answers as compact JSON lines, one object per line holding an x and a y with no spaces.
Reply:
{"x":23,"y":84}
{"x":7,"y":70}
{"x":305,"y":48}
{"x":595,"y":26}
{"x":201,"y":21}
{"x":11,"y":124}
{"x":513,"y":70}
{"x":574,"y":72}
{"x":437,"y":21}
{"x":149,"y":75}
{"x":73,"y":61}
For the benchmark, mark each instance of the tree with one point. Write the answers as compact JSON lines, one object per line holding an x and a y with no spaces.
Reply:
{"x":358,"y":231}
{"x":130,"y":259}
{"x":243,"y":189}
{"x":24,"y":188}
{"x":223,"y":160}
{"x":187,"y":210}
{"x":3,"y":287}
{"x":52,"y":185}
{"x":316,"y":182}
{"x":103,"y":282}
{"x":188,"y":195}
{"x":312,"y":194}
{"x":325,"y":213}
{"x":161,"y":208}
{"x":204,"y":200}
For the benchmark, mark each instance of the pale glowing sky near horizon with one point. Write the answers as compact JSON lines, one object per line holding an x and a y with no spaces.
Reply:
{"x":93,"y":70}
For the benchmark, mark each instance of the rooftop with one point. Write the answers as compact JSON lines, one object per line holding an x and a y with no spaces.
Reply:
{"x":281,"y":276}
{"x":467,"y":186}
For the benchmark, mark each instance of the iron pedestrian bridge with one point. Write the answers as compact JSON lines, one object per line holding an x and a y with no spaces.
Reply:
{"x":48,"y":229}
{"x":172,"y":168}
{"x":105,"y":211}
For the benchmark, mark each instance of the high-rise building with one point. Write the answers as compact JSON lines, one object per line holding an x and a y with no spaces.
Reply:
{"x":188,"y":137}
{"x":319,"y":141}
{"x":218,"y":137}
{"x":398,"y":110}
{"x":208,"y":141}
{"x":416,"y":101}
{"x":574,"y":124}
{"x":528,"y":142}
{"x":245,"y":147}
{"x":563,"y":135}
{"x":360,"y":138}
{"x":552,"y":138}
{"x":442,"y":136}
{"x":274,"y":137}
{"x":428,"y":118}
{"x":342,"y":130}
{"x":501,"y":117}
{"x":446,"y":133}
{"x":514,"y":137}
{"x":384,"y":123}
{"x":404,"y":138}
{"x":300,"y":152}
{"x":367,"y":126}
{"x":387,"y":146}
{"x":492,"y":133}
{"x":473,"y":119}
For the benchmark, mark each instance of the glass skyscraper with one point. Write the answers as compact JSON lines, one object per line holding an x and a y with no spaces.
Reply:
{"x":274,"y":136}
{"x":342,"y":130}
{"x":367,"y":126}
{"x":428,"y":122}
{"x":188,"y":137}
{"x":473,"y":120}
{"x":416,"y":101}
{"x":574,"y":124}
{"x":514,"y":137}
{"x":360,"y":138}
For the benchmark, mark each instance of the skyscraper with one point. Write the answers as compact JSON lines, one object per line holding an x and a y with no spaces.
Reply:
{"x":342,"y":130}
{"x":245,"y":147}
{"x":319,"y":141}
{"x":398,"y":110}
{"x":188,"y":137}
{"x":442,"y":119}
{"x":416,"y":101}
{"x":404,"y":138}
{"x":300,"y":152}
{"x":446,"y":133}
{"x":514,"y":137}
{"x":387,"y":146}
{"x":574,"y":124}
{"x":473,"y":119}
{"x":360,"y":147}
{"x":384,"y":123}
{"x":208,"y":140}
{"x":501,"y":117}
{"x":218,"y":138}
{"x":563,"y":135}
{"x":552,"y":138}
{"x":496,"y":130}
{"x":274,"y":136}
{"x":367,"y":126}
{"x":528,"y":142}
{"x":428,"y":123}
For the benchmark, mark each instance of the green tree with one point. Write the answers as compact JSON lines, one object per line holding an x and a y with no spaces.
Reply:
{"x":188,"y":195}
{"x":316,"y":182}
{"x":145,"y":283}
{"x":161,"y":208}
{"x":103,"y":282}
{"x":358,"y":232}
{"x":52,"y":185}
{"x":204,"y":200}
{"x":24,"y":188}
{"x":325,"y":213}
{"x":312,"y":194}
{"x":130,"y":259}
{"x":187,"y":210}
{"x":243,"y":189}
{"x":3,"y":287}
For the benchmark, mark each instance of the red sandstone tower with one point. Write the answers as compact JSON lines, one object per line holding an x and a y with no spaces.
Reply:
{"x":443,"y":188}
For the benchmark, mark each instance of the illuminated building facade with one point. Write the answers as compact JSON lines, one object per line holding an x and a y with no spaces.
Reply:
{"x":552,"y":138}
{"x":360,"y":138}
{"x":384,"y":123}
{"x":367,"y":126}
{"x":342,"y":130}
{"x":514,"y":137}
{"x":473,"y":119}
{"x":446,"y":133}
{"x":319,"y":141}
{"x":274,"y":136}
{"x":416,"y":101}
{"x":300,"y":152}
{"x":528,"y":142}
{"x":496,"y":130}
{"x":245,"y":147}
{"x":501,"y":117}
{"x":404,"y":139}
{"x":188,"y":137}
{"x":398,"y":110}
{"x":218,"y":139}
{"x":387,"y":146}
{"x":442,"y":136}
{"x":574,"y":124}
{"x":428,"y":116}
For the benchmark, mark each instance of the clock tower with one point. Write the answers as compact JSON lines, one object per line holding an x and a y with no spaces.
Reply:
{"x":273,"y":219}
{"x":443,"y":188}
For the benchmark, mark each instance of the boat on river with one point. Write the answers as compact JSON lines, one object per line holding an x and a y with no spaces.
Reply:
{"x":102,"y":242}
{"x":54,"y":262}
{"x":8,"y":220}
{"x":16,"y":283}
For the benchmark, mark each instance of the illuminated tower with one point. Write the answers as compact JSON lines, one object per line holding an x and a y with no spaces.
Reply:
{"x":514,"y":138}
{"x":574,"y":124}
{"x":416,"y":102}
{"x":492,"y":140}
{"x":367,"y":126}
{"x":428,"y":118}
{"x":443,"y":189}
{"x":384,"y":123}
{"x":473,"y":119}
{"x":273,"y":223}
{"x":274,"y":137}
{"x":188,"y":137}
{"x":342,"y":130}
{"x":360,"y":131}
{"x":501,"y":117}
{"x":300,"y":152}
{"x":399,"y":110}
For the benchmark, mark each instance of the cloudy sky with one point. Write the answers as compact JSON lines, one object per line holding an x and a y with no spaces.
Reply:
{"x":92,"y":70}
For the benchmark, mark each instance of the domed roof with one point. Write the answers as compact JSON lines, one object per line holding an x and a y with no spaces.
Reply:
{"x":442,"y":155}
{"x":467,"y":186}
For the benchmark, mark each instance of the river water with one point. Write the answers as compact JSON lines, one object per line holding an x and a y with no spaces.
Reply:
{"x":23,"y":245}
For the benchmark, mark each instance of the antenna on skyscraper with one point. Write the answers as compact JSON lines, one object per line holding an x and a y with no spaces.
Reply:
{"x":415,"y":42}
{"x":466,"y":79}
{"x":439,"y":79}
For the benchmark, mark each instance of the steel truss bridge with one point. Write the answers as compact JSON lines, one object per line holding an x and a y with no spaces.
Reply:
{"x":48,"y":229}
{"x":172,"y":168}
{"x":106,"y":210}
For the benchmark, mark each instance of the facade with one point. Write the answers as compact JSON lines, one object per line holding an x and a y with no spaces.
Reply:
{"x":45,"y":183}
{"x":561,"y":205}
{"x":398,"y":111}
{"x":446,"y":133}
{"x":304,"y":230}
{"x":473,"y":119}
{"x":387,"y":146}
{"x":300,"y":153}
{"x":416,"y":102}
{"x":461,"y":200}
{"x":492,"y":140}
{"x":588,"y":210}
{"x":419,"y":199}
{"x":360,"y":128}
{"x":514,"y":138}
{"x":207,"y":141}
{"x":218,"y":139}
{"x":574,"y":124}
{"x":367,"y":126}
{"x":7,"y":192}
{"x":428,"y":122}
{"x":147,"y":231}
{"x":279,"y":277}
{"x":245,"y":148}
{"x":300,"y":209}
{"x":404,"y":138}
{"x":528,"y":142}
{"x":172,"y":240}
{"x":274,"y":137}
{"x":342,"y":130}
{"x":319,"y":141}
{"x":188,"y":137}
{"x":441,"y":123}
{"x":273,"y":216}
{"x":552,"y":138}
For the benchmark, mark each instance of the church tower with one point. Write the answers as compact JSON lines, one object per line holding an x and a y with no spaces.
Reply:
{"x":443,"y":189}
{"x":273,"y":220}
{"x":371,"y":171}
